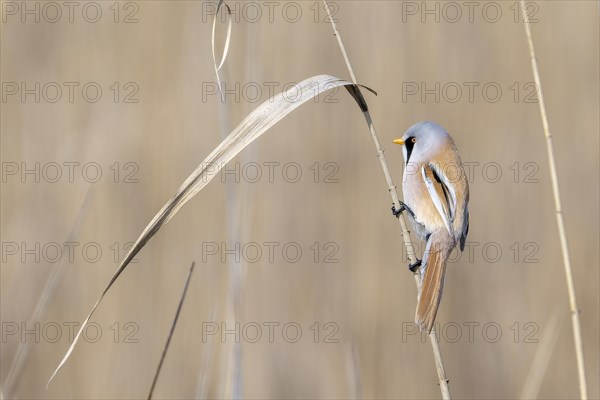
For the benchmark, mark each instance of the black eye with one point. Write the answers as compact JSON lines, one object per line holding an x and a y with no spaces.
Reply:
{"x":414,"y":140}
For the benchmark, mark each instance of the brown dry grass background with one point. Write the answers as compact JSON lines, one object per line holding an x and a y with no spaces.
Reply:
{"x":368,"y":294}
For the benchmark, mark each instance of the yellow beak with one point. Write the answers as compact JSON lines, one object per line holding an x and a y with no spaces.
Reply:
{"x":399,"y":141}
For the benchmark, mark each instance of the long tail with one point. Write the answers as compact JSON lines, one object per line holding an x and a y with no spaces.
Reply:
{"x":437,"y":252}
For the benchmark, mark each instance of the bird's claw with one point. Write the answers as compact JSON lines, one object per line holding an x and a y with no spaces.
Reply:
{"x":413,"y":267}
{"x":398,"y":211}
{"x":403,"y":207}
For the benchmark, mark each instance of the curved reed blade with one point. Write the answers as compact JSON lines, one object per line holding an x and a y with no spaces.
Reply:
{"x":227,"y":41}
{"x":253,"y":126}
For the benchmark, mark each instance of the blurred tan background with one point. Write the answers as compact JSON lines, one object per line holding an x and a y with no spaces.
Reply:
{"x":504,"y":321}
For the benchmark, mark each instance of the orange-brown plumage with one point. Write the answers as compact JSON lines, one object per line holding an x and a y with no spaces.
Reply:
{"x":437,"y":194}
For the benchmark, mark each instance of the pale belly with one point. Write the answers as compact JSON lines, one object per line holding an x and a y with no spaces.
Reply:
{"x":427,"y":219}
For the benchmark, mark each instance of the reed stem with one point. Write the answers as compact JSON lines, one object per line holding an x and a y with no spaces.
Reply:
{"x":560,"y":220}
{"x":437,"y":355}
{"x":173,"y":325}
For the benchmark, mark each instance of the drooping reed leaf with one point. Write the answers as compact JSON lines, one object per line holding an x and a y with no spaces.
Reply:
{"x":253,"y":126}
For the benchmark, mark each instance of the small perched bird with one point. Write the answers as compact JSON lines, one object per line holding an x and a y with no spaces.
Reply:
{"x":436,"y":196}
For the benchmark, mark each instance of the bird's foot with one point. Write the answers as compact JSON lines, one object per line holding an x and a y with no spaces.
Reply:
{"x":413,"y":267}
{"x":397,"y":212}
{"x":403,"y":207}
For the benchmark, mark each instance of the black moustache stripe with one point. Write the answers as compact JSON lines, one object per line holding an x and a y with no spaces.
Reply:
{"x":409,"y":148}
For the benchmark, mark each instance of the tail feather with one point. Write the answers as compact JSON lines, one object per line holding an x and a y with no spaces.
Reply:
{"x":432,"y":285}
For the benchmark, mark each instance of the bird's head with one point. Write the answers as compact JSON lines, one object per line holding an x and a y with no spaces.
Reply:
{"x":422,"y":141}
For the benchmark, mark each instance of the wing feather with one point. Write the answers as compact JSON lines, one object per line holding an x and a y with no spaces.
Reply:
{"x":438,"y":191}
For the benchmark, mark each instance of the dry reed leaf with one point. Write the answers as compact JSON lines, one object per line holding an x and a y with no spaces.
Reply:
{"x":227,"y":41}
{"x":253,"y":126}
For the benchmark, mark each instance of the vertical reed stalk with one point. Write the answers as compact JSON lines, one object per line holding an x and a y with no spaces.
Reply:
{"x":560,"y":220}
{"x":437,"y":355}
{"x":173,"y":325}
{"x":231,"y":385}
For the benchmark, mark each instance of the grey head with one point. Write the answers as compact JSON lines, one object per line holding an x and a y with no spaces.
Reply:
{"x":423,"y":141}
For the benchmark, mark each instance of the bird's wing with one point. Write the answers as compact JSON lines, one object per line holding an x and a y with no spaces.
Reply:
{"x":442,"y":194}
